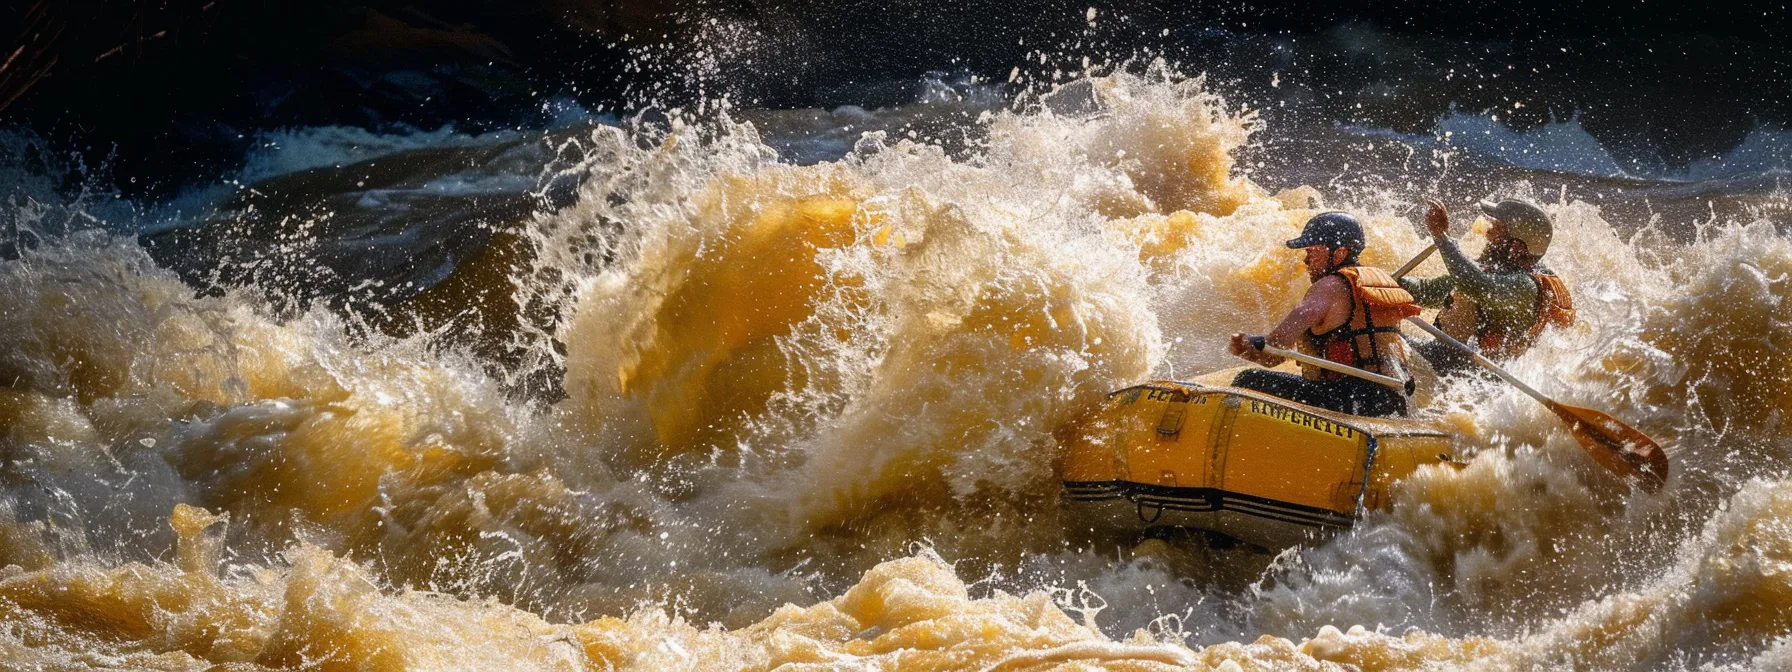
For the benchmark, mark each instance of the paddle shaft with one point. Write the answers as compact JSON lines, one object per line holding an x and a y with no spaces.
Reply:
{"x":1416,"y":260}
{"x":1483,"y":361}
{"x":1330,"y":365}
{"x":1616,"y":446}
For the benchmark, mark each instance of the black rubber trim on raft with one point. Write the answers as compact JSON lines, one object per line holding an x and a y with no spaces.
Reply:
{"x":1203,"y":500}
{"x":1095,"y":490}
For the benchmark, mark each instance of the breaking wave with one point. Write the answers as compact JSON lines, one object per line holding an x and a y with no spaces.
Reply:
{"x":809,"y":420}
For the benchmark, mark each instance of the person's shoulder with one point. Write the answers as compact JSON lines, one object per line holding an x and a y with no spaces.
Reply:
{"x":1331,"y":285}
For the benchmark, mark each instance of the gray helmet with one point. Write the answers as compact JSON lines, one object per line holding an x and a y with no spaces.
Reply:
{"x":1524,"y":221}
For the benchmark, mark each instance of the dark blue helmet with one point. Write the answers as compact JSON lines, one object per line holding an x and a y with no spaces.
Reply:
{"x":1333,"y":230}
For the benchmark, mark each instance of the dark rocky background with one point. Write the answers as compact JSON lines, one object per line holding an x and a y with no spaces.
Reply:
{"x":169,"y":92}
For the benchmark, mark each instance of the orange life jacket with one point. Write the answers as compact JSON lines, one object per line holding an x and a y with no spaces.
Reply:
{"x":1370,"y":340}
{"x":1554,"y":308}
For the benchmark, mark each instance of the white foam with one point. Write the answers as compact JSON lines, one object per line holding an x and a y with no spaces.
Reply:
{"x":939,"y":368}
{"x":1561,"y":146}
{"x":291,"y":150}
{"x":1567,"y":147}
{"x":1763,"y":151}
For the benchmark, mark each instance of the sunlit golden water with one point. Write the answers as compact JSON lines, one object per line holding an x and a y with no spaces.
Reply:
{"x":810,"y":424}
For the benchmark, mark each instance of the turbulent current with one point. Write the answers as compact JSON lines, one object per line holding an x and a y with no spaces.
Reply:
{"x":808,"y":414}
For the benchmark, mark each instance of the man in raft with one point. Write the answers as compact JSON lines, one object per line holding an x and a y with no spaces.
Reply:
{"x":1500,"y":302}
{"x":1351,"y":315}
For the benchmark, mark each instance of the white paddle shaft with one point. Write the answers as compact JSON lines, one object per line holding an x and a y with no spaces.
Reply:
{"x":1416,"y":260}
{"x":1330,"y":365}
{"x":1483,"y":361}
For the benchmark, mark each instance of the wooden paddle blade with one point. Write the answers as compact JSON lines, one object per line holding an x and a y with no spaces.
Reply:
{"x":1618,"y":447}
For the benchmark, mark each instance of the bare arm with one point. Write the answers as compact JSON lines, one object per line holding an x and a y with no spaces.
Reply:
{"x":1329,"y":291}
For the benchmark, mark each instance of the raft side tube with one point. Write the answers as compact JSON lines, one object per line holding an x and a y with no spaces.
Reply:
{"x":1264,"y":470}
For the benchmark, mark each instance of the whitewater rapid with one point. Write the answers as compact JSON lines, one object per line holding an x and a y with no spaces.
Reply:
{"x":810,"y":421}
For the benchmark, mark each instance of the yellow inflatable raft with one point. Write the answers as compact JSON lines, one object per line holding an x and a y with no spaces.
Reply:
{"x":1258,"y":468}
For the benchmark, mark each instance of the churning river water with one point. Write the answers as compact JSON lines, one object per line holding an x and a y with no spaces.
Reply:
{"x":804,"y":415}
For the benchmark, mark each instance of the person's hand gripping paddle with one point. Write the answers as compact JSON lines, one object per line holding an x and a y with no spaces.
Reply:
{"x":1618,"y":447}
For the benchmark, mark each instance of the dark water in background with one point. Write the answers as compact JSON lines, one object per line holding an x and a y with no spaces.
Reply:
{"x":177,"y":93}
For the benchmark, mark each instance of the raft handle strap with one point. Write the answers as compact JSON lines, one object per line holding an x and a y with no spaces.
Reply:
{"x":1141,"y":511}
{"x":1368,"y":468}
